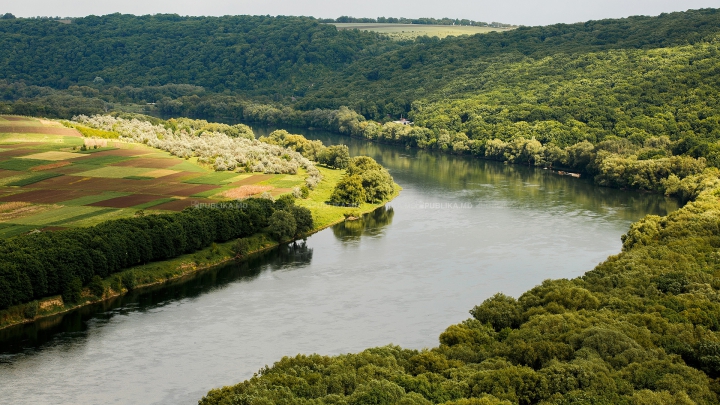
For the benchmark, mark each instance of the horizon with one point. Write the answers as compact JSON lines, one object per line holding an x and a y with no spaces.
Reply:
{"x":515,"y":12}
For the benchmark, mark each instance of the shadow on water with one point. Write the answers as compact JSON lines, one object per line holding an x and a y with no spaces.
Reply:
{"x":73,"y":325}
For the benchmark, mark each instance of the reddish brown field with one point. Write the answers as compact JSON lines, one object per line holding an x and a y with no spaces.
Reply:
{"x":253,"y":179}
{"x":97,"y":184}
{"x":39,"y":130}
{"x":127,"y":201}
{"x":147,"y":162}
{"x":179,"y":205}
{"x":15,"y":152}
{"x":46,"y":196}
{"x":55,"y":165}
{"x":179,"y":189}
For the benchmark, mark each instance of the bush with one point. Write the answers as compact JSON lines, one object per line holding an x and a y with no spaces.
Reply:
{"x":96,"y":286}
{"x":128,"y":280}
{"x":31,"y":309}
{"x":241,"y":247}
{"x":348,"y":192}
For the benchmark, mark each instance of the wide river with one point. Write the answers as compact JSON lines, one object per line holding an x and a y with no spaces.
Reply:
{"x":461,"y":231}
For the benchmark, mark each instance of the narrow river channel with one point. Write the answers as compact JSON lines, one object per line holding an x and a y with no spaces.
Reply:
{"x":461,"y":231}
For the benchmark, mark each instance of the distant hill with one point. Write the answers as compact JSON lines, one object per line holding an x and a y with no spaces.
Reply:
{"x":296,"y":60}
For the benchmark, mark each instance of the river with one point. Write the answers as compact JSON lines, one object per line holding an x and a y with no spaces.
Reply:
{"x":461,"y":231}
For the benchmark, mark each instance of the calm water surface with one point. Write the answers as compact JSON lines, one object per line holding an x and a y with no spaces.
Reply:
{"x":461,"y":231}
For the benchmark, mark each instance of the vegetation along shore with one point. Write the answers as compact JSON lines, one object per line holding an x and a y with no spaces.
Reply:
{"x":140,"y":202}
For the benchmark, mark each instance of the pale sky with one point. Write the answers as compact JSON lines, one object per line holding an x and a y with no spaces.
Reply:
{"x":525,"y":12}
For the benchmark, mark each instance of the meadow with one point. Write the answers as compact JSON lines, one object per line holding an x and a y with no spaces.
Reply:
{"x":412,"y":31}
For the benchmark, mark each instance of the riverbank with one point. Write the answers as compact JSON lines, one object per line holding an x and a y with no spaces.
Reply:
{"x":217,"y":254}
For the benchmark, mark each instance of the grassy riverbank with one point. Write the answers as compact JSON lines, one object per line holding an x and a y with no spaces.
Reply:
{"x":151,"y":274}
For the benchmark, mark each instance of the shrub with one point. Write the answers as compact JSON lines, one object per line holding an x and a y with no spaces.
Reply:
{"x":96,"y":286}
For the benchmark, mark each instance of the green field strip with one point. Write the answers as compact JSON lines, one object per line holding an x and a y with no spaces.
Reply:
{"x":19,"y":164}
{"x":34,"y":179}
{"x":284,"y":183}
{"x":21,"y":176}
{"x":139,"y":178}
{"x":104,"y":160}
{"x":10,"y":230}
{"x":114,"y":172}
{"x":55,"y":216}
{"x":83,"y":216}
{"x":107,"y":216}
{"x":153,"y":203}
{"x":189,"y":166}
{"x":217,"y":178}
{"x":94,"y":198}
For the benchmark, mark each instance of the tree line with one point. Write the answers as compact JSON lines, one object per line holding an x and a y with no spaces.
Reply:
{"x":42,"y":264}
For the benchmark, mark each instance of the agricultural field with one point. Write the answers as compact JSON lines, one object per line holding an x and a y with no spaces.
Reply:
{"x":412,"y":31}
{"x":52,"y":178}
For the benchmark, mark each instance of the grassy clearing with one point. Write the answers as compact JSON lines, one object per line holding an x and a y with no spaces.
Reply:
{"x":325,"y":215}
{"x":104,"y":160}
{"x":412,"y":31}
{"x":83,"y":216}
{"x":33,"y":179}
{"x":105,"y":215}
{"x":190,"y":165}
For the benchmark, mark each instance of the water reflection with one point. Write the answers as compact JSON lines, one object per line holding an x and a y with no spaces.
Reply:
{"x":371,"y":224}
{"x":488,"y":183}
{"x":28,"y":338}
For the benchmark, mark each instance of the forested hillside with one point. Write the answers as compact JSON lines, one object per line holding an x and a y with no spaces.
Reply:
{"x":641,"y":328}
{"x":294,"y":60}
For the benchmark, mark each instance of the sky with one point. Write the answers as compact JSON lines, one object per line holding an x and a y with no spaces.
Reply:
{"x":521,"y":12}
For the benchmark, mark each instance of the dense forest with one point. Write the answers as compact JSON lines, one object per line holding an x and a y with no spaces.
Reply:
{"x":641,"y":328}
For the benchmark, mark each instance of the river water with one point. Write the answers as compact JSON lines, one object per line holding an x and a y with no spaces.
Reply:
{"x":461,"y":231}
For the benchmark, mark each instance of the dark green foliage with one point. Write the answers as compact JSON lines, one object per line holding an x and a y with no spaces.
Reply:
{"x":241,"y":247}
{"x":96,"y":286}
{"x":641,"y":328}
{"x":232,"y":52}
{"x":365,"y":181}
{"x":42,"y":264}
{"x":348,"y":192}
{"x":31,"y":309}
{"x":128,"y":280}
{"x":500,"y":312}
{"x":282,"y":226}
{"x":72,"y":291}
{"x":303,"y":219}
{"x":335,"y":156}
